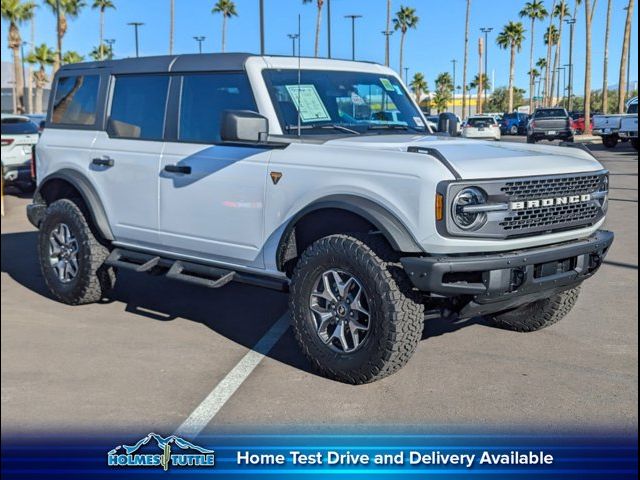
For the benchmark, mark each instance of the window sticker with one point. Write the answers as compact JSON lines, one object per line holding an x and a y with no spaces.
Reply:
{"x":388,"y":86}
{"x":418,"y":121}
{"x":308,"y":102}
{"x":357,"y":99}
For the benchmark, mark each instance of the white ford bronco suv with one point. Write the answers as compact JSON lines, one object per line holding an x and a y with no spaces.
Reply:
{"x":317,"y":177}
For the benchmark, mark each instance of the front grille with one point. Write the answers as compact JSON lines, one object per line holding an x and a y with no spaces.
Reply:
{"x":551,"y":187}
{"x":536,"y":220}
{"x":551,"y":217}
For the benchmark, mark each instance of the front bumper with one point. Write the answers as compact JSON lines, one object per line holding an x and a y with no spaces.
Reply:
{"x":497,"y":282}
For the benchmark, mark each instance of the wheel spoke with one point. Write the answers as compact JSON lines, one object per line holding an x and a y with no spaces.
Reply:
{"x":355,"y":326}
{"x":328,"y":291}
{"x":357,"y":303}
{"x":339,"y":334}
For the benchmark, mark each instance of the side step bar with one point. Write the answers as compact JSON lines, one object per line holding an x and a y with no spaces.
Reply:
{"x":189,"y":272}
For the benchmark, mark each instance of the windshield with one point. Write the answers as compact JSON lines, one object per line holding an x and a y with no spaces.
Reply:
{"x":551,"y":113}
{"x":346,"y":102}
{"x":633,"y":108}
{"x":17,"y":126}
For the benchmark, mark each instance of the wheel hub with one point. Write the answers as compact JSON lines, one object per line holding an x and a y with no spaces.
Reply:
{"x":340,"y":309}
{"x":63,"y":253}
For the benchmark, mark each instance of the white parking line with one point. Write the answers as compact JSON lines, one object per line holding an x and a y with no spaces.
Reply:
{"x":212,"y":404}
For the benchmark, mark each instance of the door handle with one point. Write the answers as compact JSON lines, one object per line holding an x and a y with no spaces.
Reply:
{"x":103,"y":162}
{"x":178,"y":169}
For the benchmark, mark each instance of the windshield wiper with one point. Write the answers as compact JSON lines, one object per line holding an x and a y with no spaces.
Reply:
{"x":397,"y":127}
{"x":326,"y":126}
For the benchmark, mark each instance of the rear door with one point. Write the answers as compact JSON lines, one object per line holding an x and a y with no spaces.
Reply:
{"x":126,"y":156}
{"x":211,"y":195}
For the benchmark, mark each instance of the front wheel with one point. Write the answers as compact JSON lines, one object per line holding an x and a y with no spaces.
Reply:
{"x":353,"y":312}
{"x":71,"y":257}
{"x":610,"y":141}
{"x":538,"y":315}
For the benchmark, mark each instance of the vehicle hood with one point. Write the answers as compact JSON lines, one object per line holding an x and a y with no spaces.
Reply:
{"x":473,"y":159}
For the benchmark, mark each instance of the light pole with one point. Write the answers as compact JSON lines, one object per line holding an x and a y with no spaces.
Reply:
{"x":329,"y":28}
{"x":293,"y":37}
{"x":387,"y":34}
{"x":353,"y":34}
{"x":560,"y":99}
{"x":199,"y":39}
{"x":110,"y":42}
{"x":135,"y":26}
{"x":262,"y":48}
{"x":25,"y":105}
{"x":571,"y":22}
{"x":486,"y":31}
{"x":453,"y":100}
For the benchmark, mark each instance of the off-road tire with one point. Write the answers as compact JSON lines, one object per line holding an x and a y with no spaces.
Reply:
{"x":538,"y":315}
{"x":610,"y":141}
{"x":397,"y":316}
{"x":94,"y":279}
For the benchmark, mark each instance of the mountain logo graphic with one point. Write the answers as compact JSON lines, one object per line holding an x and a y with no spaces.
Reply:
{"x":185,"y":453}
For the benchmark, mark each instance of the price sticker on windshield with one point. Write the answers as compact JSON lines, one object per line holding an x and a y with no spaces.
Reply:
{"x":388,"y":86}
{"x":308,"y":103}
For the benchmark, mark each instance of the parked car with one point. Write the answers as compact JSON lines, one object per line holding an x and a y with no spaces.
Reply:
{"x":629,"y":125}
{"x":38,"y":119}
{"x":578,"y":120}
{"x":18,"y":136}
{"x":514,"y":123}
{"x":216,"y":168}
{"x":550,"y":124}
{"x":481,"y":126}
{"x":608,"y":126}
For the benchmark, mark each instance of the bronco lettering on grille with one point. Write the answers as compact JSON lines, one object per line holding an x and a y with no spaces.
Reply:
{"x":550,"y":202}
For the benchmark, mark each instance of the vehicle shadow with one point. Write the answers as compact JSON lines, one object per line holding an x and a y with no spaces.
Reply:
{"x":241,"y":313}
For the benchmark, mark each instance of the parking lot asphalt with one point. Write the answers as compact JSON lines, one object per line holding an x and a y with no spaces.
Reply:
{"x":147,"y":357}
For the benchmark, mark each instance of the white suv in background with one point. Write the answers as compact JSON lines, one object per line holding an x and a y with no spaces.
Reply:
{"x":481,"y":126}
{"x":317,"y":177}
{"x":18,"y":137}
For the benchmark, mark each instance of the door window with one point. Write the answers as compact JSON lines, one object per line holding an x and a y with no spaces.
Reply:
{"x":204,"y":99}
{"x":138,"y":107}
{"x":75,"y":100}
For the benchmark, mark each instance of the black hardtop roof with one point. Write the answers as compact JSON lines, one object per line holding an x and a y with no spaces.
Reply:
{"x":193,"y":62}
{"x":167,"y":63}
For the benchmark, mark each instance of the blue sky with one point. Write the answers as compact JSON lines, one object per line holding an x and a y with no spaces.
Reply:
{"x":429,"y":49}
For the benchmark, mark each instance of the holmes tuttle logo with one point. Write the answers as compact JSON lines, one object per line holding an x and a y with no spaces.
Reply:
{"x":190,"y":455}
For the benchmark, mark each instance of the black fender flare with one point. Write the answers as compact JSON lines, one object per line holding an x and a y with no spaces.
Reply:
{"x":89,"y":196}
{"x":396,"y":233}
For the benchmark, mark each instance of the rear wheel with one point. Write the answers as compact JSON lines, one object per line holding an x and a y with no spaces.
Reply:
{"x":610,"y":141}
{"x":538,"y":315}
{"x":71,"y":257}
{"x":514,"y":130}
{"x":353,"y":312}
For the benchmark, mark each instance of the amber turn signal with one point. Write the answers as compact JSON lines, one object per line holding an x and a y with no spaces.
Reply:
{"x":439,"y":207}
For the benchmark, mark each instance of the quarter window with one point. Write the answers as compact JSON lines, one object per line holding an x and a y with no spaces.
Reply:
{"x":204,"y":99}
{"x":138,"y":106}
{"x":76,"y":99}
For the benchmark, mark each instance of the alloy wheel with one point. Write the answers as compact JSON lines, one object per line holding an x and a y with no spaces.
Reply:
{"x":63,"y":253}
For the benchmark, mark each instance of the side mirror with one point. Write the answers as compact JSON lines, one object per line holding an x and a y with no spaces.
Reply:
{"x":244,"y":126}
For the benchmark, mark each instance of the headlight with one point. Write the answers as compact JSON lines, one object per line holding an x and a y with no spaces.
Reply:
{"x":462,"y":209}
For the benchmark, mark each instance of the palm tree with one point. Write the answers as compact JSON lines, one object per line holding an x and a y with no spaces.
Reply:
{"x":227,"y":8}
{"x":68,"y":9}
{"x":605,"y":67}
{"x":319,"y":4}
{"x":561,"y":11}
{"x":444,"y":87}
{"x":622,"y":84}
{"x":42,"y":56}
{"x":511,"y":37}
{"x":406,"y":19}
{"x":533,"y":10}
{"x":102,"y":5}
{"x":576,"y":4}
{"x":542,"y":65}
{"x":479,"y":83}
{"x":548,"y":35}
{"x":550,"y":40}
{"x":72,"y":57}
{"x":419,"y":86}
{"x":102,"y":52}
{"x":17,"y":12}
{"x":466,"y":55}
{"x":589,"y":10}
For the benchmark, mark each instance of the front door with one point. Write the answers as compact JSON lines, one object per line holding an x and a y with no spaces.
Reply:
{"x":212,"y":195}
